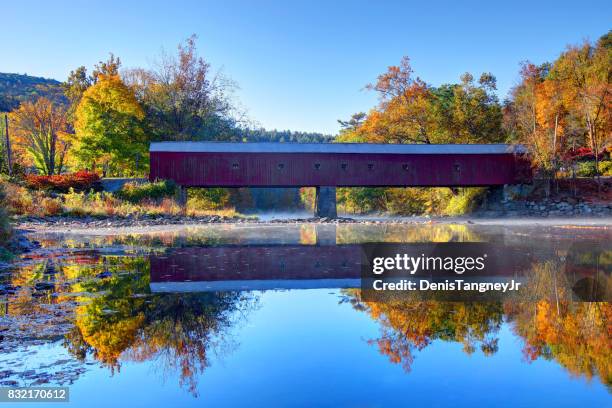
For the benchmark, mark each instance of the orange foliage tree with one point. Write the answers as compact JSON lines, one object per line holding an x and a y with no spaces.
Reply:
{"x":41,"y":133}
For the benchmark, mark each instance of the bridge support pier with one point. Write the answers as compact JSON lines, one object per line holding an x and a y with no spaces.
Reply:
{"x":325,"y":202}
{"x":494,"y":197}
{"x":182,"y":199}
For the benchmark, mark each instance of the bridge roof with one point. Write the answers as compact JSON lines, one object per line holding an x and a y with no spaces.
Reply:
{"x":336,"y":148}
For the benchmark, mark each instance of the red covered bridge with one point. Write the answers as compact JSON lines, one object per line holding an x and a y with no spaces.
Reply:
{"x":326,"y":166}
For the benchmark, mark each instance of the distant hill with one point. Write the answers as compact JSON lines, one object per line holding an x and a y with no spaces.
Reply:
{"x":16,"y":88}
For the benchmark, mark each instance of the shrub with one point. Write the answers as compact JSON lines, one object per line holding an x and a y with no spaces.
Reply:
{"x":20,"y":200}
{"x":208,"y":198}
{"x":406,"y":201}
{"x":587,"y":168}
{"x":583,"y":153}
{"x":361,"y":199}
{"x":464,"y":201}
{"x":79,"y":181}
{"x":135,"y":192}
{"x":605,"y":168}
{"x":52,"y":206}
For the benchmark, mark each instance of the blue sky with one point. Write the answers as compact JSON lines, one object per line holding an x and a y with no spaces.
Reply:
{"x":301,"y":65}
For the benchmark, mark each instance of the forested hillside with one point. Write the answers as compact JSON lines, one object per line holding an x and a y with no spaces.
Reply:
{"x":17,"y":88}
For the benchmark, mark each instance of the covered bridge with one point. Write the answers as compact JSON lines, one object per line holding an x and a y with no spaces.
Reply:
{"x":326,"y":166}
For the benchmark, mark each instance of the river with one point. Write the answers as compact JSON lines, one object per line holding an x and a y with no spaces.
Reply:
{"x":131,"y":320}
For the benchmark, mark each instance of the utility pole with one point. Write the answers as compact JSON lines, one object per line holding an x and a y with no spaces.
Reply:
{"x":8,"y":146}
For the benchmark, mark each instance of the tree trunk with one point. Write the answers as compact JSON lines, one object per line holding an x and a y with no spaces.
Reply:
{"x":52,"y":147}
{"x":9,"y":159}
{"x":592,"y":132}
{"x":554,"y":152}
{"x":595,"y":147}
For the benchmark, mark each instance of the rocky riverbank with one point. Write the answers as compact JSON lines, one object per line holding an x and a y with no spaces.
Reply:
{"x":552,"y":214}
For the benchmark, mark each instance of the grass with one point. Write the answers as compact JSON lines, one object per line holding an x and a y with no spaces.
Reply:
{"x":152,"y":199}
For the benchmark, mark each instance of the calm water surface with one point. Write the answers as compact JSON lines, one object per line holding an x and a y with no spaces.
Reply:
{"x":132,"y":321}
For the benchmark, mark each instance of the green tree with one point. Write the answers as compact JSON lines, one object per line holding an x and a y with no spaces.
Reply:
{"x":469,"y":113}
{"x":109,"y":127}
{"x":77,"y":83}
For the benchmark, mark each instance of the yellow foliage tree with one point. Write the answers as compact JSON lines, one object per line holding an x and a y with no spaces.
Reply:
{"x":109,"y":127}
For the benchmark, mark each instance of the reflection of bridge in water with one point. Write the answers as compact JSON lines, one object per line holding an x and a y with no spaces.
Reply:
{"x":324,"y":263}
{"x":319,"y":263}
{"x":257,"y":267}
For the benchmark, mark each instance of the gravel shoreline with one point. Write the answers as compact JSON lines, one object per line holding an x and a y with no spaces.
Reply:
{"x":117,"y":225}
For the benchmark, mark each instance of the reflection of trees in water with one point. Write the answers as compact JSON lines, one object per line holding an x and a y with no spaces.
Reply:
{"x":124,"y":322}
{"x":576,"y":335}
{"x":359,"y":233}
{"x":407,"y":326}
{"x":289,"y":233}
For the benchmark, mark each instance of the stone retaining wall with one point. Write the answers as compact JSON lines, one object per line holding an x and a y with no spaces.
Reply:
{"x":557,"y":207}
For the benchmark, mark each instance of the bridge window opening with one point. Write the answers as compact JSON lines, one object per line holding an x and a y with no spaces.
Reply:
{"x":370,"y":166}
{"x":344,"y":166}
{"x":405,"y":167}
{"x":281,"y":166}
{"x":317,"y":166}
{"x":457,"y":168}
{"x":235,"y":166}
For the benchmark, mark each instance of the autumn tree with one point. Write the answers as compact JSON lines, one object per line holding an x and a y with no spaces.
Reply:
{"x":110,"y":67}
{"x":412,"y":111}
{"x":586,"y":72}
{"x":40,"y":130}
{"x":469,"y":112}
{"x":183,"y":99}
{"x":405,"y":113}
{"x":109,"y":127}
{"x":75,"y":86}
{"x":523,"y":119}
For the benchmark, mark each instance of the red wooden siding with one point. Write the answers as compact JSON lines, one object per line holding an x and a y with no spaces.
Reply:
{"x":270,"y":169}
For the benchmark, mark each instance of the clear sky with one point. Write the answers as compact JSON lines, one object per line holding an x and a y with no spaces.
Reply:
{"x":300,"y":65}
